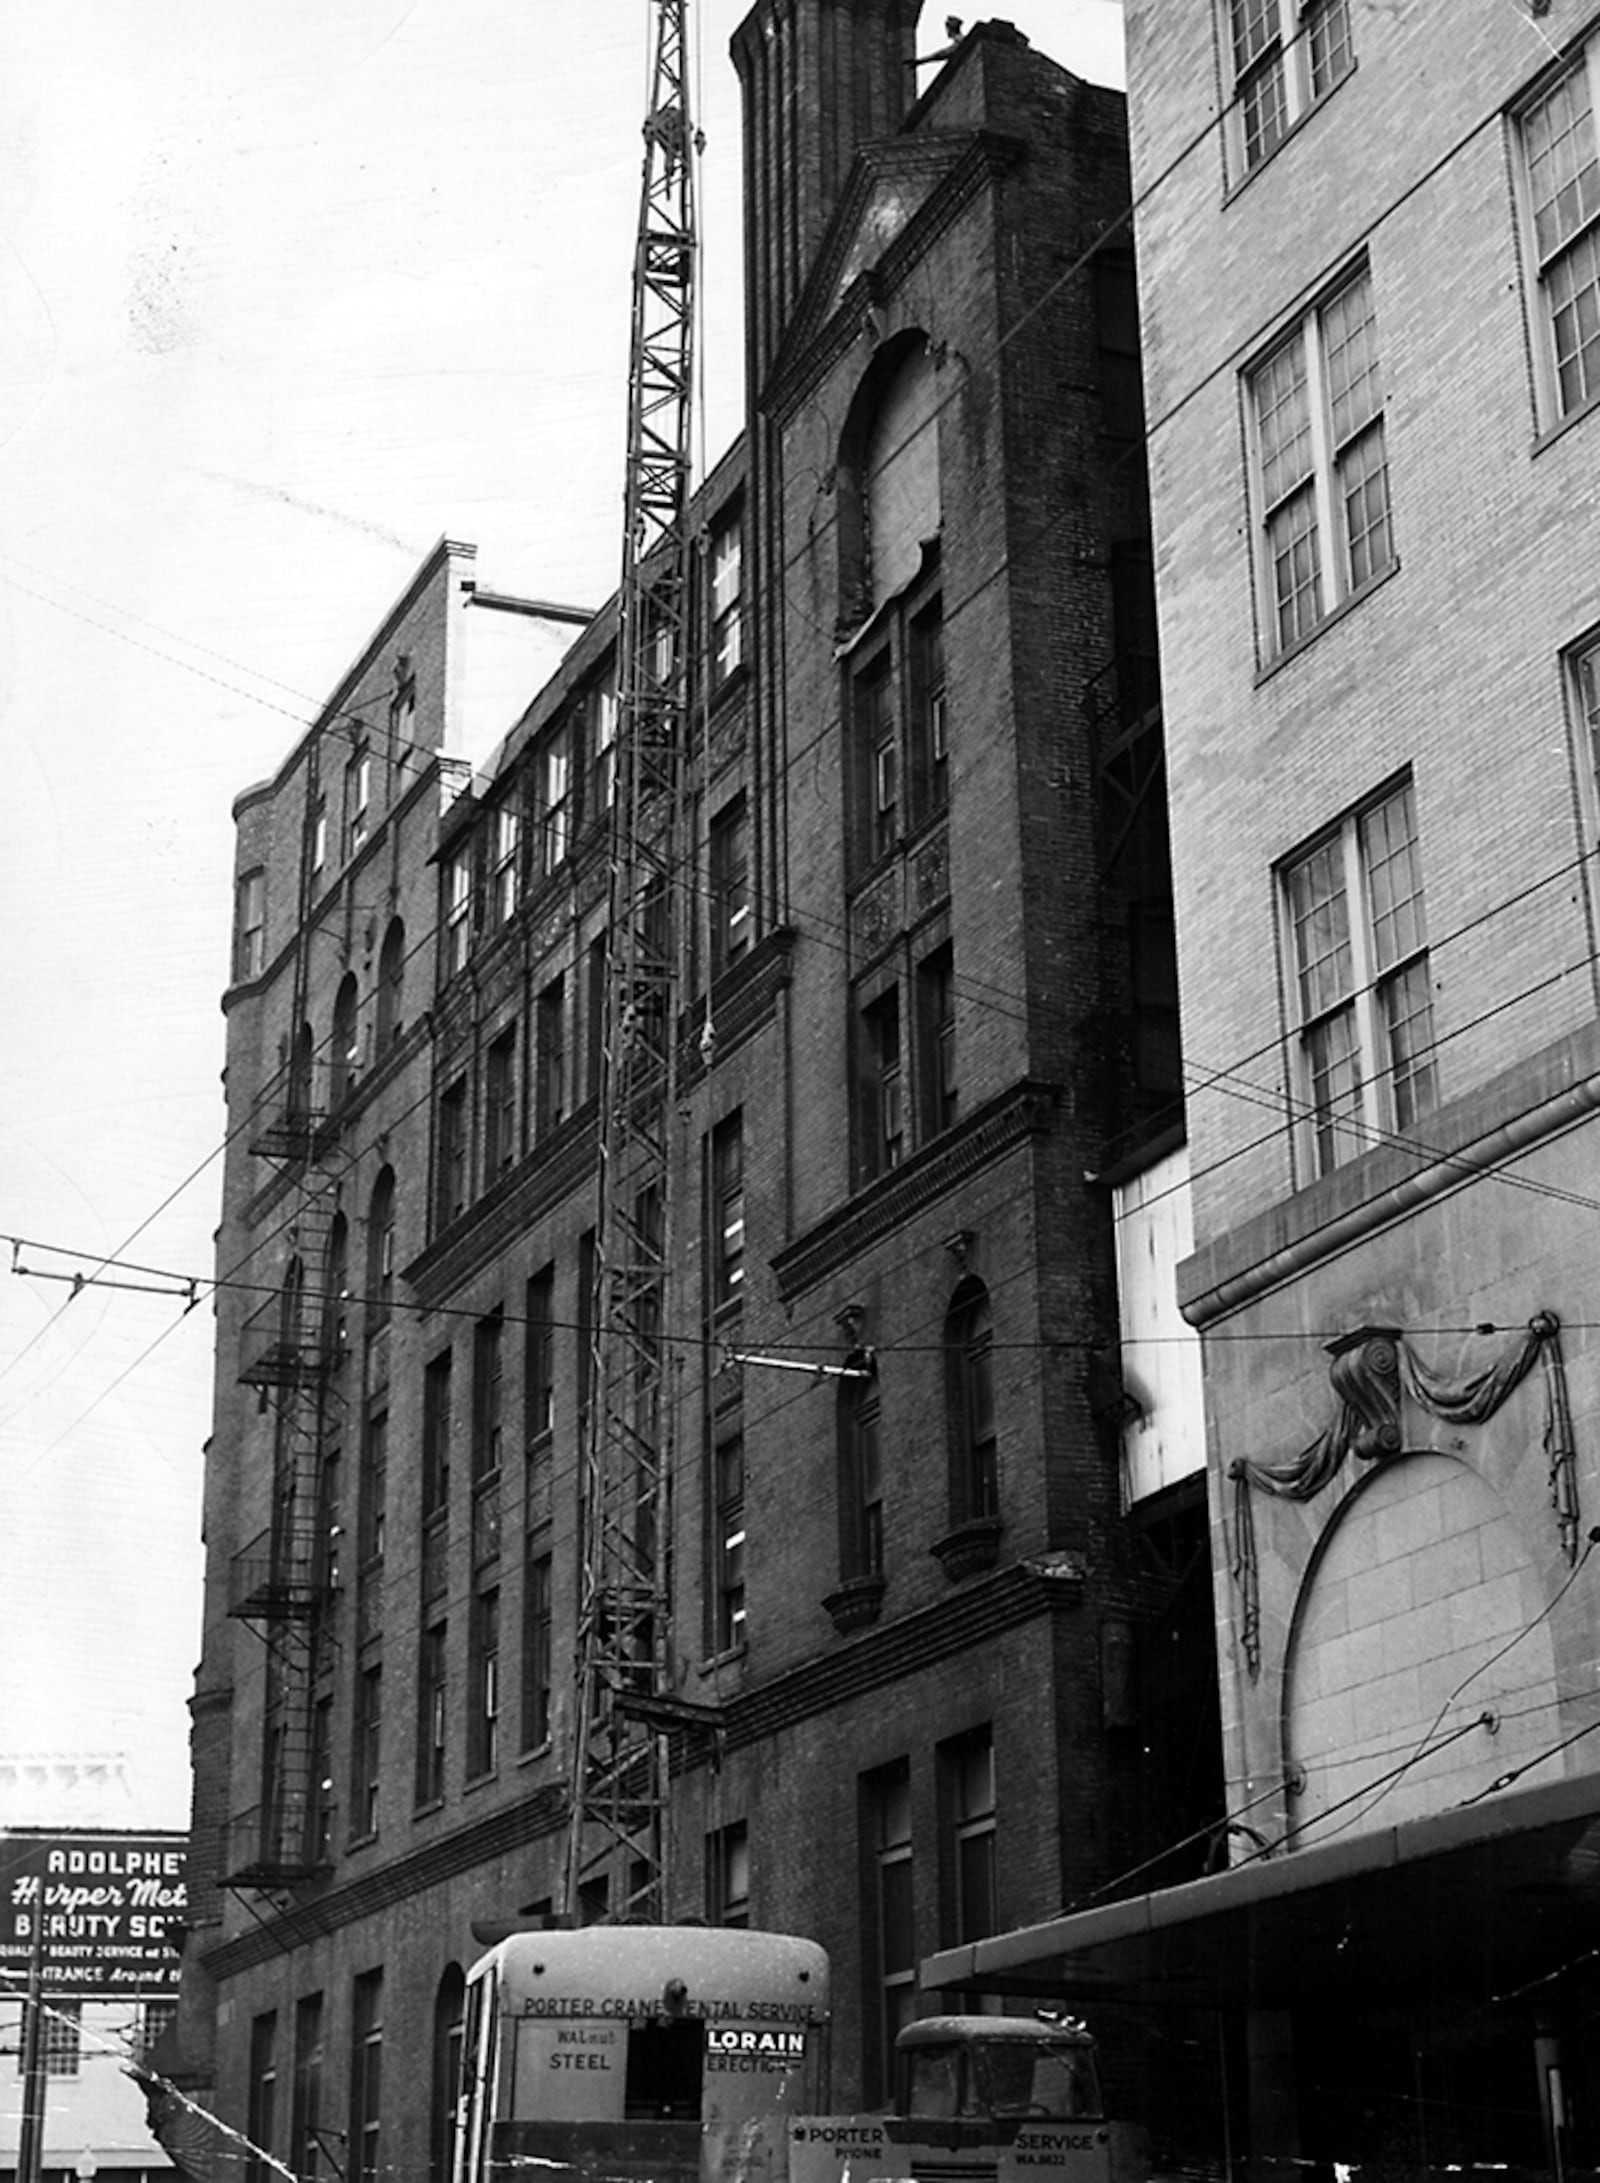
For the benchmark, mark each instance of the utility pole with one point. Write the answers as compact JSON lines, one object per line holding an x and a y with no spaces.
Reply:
{"x":30,"y":2144}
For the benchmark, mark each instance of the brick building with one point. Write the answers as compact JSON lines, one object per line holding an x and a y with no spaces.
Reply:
{"x":928,"y":1052}
{"x":1368,"y":248}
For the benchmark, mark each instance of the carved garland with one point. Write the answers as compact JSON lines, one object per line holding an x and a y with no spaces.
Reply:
{"x":1371,"y":1368}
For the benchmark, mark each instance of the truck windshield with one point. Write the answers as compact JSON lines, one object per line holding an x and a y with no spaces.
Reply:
{"x":1036,"y":2077}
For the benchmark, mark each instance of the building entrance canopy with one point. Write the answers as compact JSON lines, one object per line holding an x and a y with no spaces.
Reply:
{"x":1475,"y":1907}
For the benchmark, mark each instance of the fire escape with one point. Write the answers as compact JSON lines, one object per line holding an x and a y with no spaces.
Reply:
{"x":619,"y":1783}
{"x":290,"y":1349}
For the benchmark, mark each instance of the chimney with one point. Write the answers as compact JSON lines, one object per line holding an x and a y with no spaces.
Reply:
{"x":819,"y":79}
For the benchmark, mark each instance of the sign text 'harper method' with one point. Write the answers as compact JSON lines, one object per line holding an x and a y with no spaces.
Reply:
{"x":105,"y":1905}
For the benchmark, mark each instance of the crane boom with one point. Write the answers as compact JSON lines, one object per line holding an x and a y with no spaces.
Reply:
{"x":616,"y":1850}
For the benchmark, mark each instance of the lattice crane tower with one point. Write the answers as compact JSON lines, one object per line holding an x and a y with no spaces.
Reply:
{"x":617,"y":1836}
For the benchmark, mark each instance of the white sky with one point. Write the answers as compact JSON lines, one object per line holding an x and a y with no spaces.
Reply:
{"x":286,"y":294}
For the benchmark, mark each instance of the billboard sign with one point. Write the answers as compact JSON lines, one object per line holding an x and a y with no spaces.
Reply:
{"x":105,"y":1904}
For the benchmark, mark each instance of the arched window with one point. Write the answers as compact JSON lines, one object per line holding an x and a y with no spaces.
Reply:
{"x":391,"y":986}
{"x":336,"y":1291}
{"x":969,"y":1404}
{"x":291,"y":1305}
{"x":860,"y":1469}
{"x":345,"y":1062}
{"x":449,"y":2012}
{"x":380,"y":1250}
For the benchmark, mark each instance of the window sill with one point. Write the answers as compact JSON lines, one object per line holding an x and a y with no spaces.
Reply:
{"x":1329,"y":620}
{"x":534,"y":1753}
{"x":734,"y":1657}
{"x":1232,"y":191}
{"x":857,"y":1604}
{"x":480,"y":1781}
{"x":1552,"y":433}
{"x":427,"y":1807}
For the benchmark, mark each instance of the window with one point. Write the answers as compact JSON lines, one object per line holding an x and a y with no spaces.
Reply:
{"x":432,"y":1715}
{"x":436,"y":1409}
{"x":500,"y":1133}
{"x":729,"y":860}
{"x":1586,"y":691}
{"x":602,"y":707}
{"x":595,"y":1008}
{"x":1364,"y":1038}
{"x":156,"y":2019}
{"x":366,"y":1749}
{"x":453,"y":1153}
{"x":967,"y":1780}
{"x":403,"y":703}
{"x":366,"y":2077}
{"x":550,"y":1031}
{"x":1286,"y":55}
{"x":374,"y":1485}
{"x":319,"y":1811}
{"x":1321,"y":470}
{"x":250,"y":925}
{"x":728,"y":1875}
{"x":860,"y":1470}
{"x":357,"y":801}
{"x":391,"y":987}
{"x":1561,"y":172}
{"x":319,"y":836}
{"x":457,"y":891}
{"x":929,"y":756}
{"x":504,"y":869}
{"x":877,"y":745}
{"x":380,"y":1249}
{"x":936,"y":1039}
{"x":728,"y":1590}
{"x":536,"y":1646}
{"x":539,"y":1356}
{"x":552,"y":788}
{"x":346,"y":1041}
{"x":483,"y":1683}
{"x":488,"y":1434}
{"x":449,"y":2031}
{"x":305,"y":2148}
{"x":727,"y":603}
{"x":892,"y":1931}
{"x":262,"y":2102}
{"x":882,"y":1107}
{"x":61,"y":2039}
{"x":727,"y":1213}
{"x":969,"y":1404}
{"x":335,"y":1330}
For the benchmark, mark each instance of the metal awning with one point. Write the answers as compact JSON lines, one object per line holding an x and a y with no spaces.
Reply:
{"x":1475,"y":1905}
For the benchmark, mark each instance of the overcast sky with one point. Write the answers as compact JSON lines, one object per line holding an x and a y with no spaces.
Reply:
{"x":287,"y":293}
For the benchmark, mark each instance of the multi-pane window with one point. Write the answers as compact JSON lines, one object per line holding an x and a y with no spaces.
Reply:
{"x":366,"y":1752}
{"x":900,"y":758}
{"x":488,"y":1434}
{"x":305,"y":2147}
{"x":729,"y":859}
{"x":1285,"y":54}
{"x":261,"y":2112}
{"x":505,"y":874}
{"x":61,"y":2038}
{"x":727,"y":602}
{"x":391,"y":986}
{"x":550,"y":1057}
{"x":1586,"y":694}
{"x":727,"y":1213}
{"x":967,"y":1766}
{"x":366,"y":2078}
{"x":969,"y":1405}
{"x":436,"y":1409}
{"x":319,"y":836}
{"x":453,"y":1153}
{"x":537,"y":1654}
{"x":357,"y":801}
{"x":380,"y":1249}
{"x":1359,"y":962}
{"x":345,"y":1043}
{"x":881,"y":1084}
{"x":936,"y":1038}
{"x":877,"y":739}
{"x":539,"y":1356}
{"x":1561,"y":172}
{"x":374,"y":1483}
{"x":602,"y":709}
{"x":893,"y":1930}
{"x":728,"y":1875}
{"x":594,"y":1055}
{"x":1322,"y":474}
{"x":432,"y":1714}
{"x":552,"y":789}
{"x":320,"y":1807}
{"x":728,"y":1591}
{"x":483,"y":1682}
{"x":250,"y":925}
{"x":860,"y":1470}
{"x":927,"y":749}
{"x":457,"y":898}
{"x":500,"y":1133}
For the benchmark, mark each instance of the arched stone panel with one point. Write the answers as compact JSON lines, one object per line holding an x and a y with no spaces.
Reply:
{"x":1420,"y":1613}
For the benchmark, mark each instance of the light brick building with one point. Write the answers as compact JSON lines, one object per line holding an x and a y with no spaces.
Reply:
{"x":928,"y":1025}
{"x":1371,"y":312}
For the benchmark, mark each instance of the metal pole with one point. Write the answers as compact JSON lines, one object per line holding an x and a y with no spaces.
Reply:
{"x":30,"y":2144}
